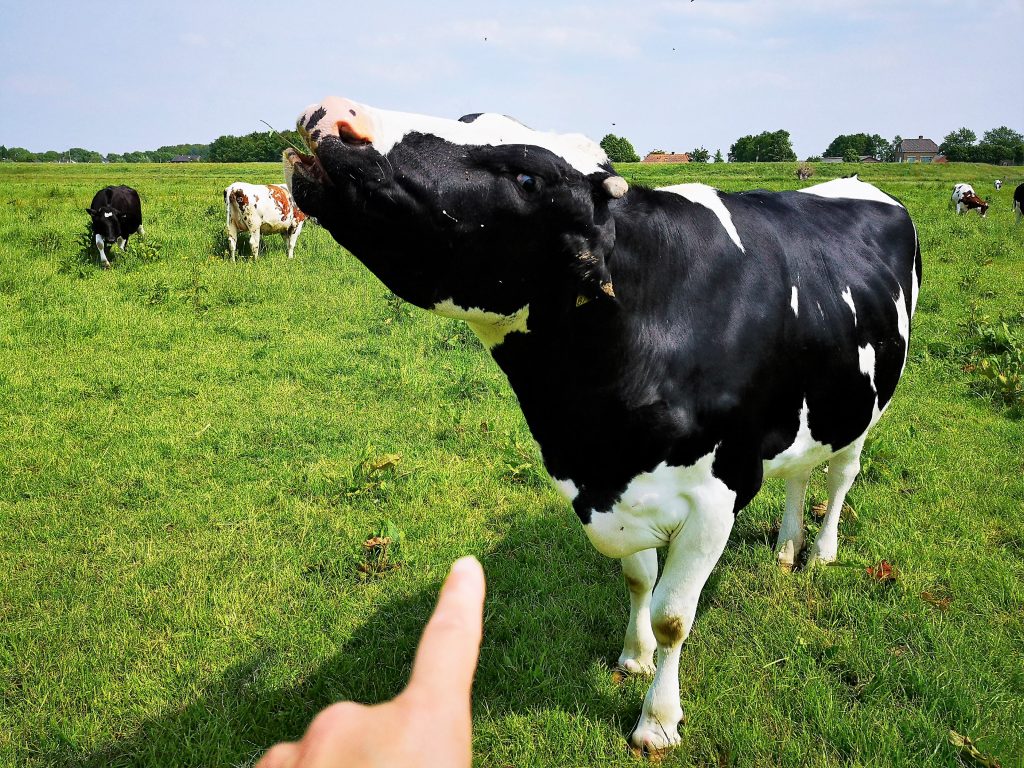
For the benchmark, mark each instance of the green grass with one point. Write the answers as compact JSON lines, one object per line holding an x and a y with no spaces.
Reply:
{"x":187,"y":452}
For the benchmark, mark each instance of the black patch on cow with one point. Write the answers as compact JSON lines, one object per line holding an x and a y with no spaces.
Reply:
{"x":318,"y":114}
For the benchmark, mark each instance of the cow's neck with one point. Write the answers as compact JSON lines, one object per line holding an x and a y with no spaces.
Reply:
{"x":586,"y":382}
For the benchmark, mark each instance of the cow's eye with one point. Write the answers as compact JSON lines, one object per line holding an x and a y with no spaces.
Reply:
{"x":528,"y":183}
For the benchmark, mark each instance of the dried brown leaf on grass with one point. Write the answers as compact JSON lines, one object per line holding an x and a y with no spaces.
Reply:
{"x":884,"y":571}
{"x":942,"y":603}
{"x":967,"y":748}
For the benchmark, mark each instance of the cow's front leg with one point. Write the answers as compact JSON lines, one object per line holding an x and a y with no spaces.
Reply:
{"x":121,"y":242}
{"x":640,"y":571}
{"x":692,"y":554}
{"x":254,"y":243}
{"x":103,"y":256}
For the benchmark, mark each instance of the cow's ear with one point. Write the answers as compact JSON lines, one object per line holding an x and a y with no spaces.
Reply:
{"x":90,"y":211}
{"x":615,"y":186}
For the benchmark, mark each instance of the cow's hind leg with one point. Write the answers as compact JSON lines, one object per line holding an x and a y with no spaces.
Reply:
{"x":692,"y":555}
{"x":141,"y":232}
{"x":232,"y":232}
{"x":640,"y":571}
{"x":842,"y":471}
{"x":791,"y":532}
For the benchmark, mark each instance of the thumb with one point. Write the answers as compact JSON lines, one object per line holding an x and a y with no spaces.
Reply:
{"x":446,"y":659}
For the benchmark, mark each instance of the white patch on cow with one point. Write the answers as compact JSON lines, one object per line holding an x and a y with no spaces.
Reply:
{"x":902,"y":317}
{"x":389,"y":128}
{"x":803,"y":455}
{"x":490,"y":327}
{"x":851,"y":188}
{"x":707,"y":196}
{"x":654,"y":507}
{"x":107,"y":214}
{"x":866,"y":362}
{"x":794,"y":303}
{"x":915,"y":287}
{"x":848,"y":298}
{"x":567,"y":488}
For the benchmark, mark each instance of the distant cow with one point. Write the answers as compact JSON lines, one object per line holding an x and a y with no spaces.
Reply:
{"x":258,"y":208}
{"x":965,"y":200}
{"x":116,"y":215}
{"x":1018,"y":201}
{"x":999,"y":184}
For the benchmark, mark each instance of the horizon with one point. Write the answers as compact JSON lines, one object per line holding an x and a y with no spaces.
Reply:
{"x":742,"y":66}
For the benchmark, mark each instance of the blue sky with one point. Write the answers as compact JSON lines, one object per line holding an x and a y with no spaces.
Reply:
{"x":123,"y":76}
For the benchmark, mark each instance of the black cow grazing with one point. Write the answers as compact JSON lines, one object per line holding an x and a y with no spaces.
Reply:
{"x":1018,"y":201}
{"x":116,"y":215}
{"x":670,"y":348}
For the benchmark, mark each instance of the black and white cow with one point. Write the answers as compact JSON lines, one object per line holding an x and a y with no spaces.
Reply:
{"x":1018,"y":201}
{"x":670,"y":348}
{"x":116,"y":215}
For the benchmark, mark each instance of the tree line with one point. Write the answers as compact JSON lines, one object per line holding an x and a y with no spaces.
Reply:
{"x":999,"y":145}
{"x":257,"y":147}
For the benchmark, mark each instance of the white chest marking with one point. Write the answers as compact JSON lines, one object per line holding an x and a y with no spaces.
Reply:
{"x":654,"y":507}
{"x":707,"y":196}
{"x":490,"y":327}
{"x":793,"y":302}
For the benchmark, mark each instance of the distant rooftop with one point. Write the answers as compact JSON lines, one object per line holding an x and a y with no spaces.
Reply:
{"x":920,"y":144}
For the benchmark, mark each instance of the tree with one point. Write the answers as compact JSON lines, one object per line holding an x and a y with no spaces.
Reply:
{"x":700,"y":155}
{"x":767,"y":147}
{"x":861,"y":143}
{"x":718,"y":156}
{"x":619,"y":149}
{"x":892,"y":150}
{"x":79,"y":155}
{"x":851,"y":155}
{"x":958,"y":146}
{"x":1000,"y":145}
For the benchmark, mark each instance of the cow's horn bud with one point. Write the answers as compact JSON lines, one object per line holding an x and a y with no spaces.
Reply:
{"x":615,"y":186}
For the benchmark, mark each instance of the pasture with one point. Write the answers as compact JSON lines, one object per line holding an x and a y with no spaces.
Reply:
{"x":193,"y":452}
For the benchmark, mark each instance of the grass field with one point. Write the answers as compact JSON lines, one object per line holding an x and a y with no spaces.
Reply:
{"x":193,"y":451}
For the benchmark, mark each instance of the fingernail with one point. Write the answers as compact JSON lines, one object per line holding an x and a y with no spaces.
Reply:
{"x":464,"y":565}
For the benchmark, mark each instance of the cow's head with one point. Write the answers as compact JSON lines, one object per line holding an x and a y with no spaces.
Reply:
{"x":479,"y":217}
{"x":105,"y":223}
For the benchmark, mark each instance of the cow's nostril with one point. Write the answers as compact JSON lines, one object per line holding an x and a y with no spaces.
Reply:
{"x":350,"y":134}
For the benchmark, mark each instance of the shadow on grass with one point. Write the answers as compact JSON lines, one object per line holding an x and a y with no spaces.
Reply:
{"x":556,"y":610}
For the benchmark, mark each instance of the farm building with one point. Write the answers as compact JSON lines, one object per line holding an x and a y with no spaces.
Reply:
{"x":666,"y":157}
{"x":186,"y":159}
{"x":919,"y":150}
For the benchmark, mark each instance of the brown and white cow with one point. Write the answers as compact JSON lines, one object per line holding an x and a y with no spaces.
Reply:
{"x":965,"y":199}
{"x":259,"y":208}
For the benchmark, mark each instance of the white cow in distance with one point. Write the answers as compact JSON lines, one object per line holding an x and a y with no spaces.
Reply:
{"x":259,"y":208}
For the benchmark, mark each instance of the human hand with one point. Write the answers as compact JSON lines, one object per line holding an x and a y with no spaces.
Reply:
{"x":427,"y":724}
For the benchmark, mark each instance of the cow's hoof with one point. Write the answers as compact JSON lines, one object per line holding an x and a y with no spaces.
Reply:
{"x":819,"y":556}
{"x":633,"y":666}
{"x":105,"y":265}
{"x":653,"y":740}
{"x":786,"y":555}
